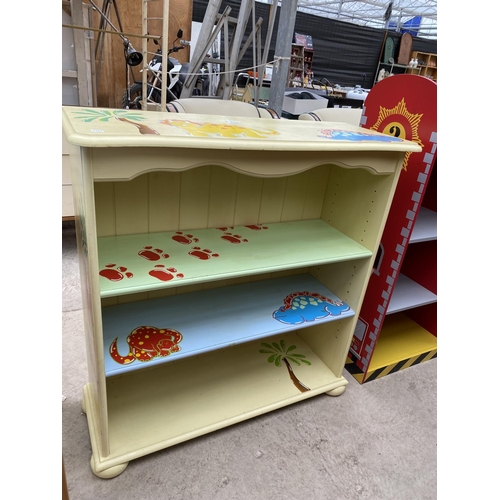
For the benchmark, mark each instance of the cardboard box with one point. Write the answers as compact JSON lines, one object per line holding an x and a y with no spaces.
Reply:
{"x":299,"y":106}
{"x":305,"y":40}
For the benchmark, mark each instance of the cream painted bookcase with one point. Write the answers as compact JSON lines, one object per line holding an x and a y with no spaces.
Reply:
{"x":223,"y":263}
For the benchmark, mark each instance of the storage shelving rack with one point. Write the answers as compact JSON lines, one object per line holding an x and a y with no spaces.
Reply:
{"x":397,"y":325}
{"x":427,"y":65}
{"x":389,"y":66}
{"x":296,"y":68}
{"x":223,"y":264}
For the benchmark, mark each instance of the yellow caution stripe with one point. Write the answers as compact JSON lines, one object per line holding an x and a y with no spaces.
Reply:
{"x":400,"y":365}
{"x":354,"y":370}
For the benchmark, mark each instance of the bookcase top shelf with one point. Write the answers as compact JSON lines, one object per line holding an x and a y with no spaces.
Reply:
{"x":146,"y":262}
{"x":103,"y":128}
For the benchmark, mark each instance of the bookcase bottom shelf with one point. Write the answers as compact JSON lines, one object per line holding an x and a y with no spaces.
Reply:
{"x":402,"y":343}
{"x":155,"y":408}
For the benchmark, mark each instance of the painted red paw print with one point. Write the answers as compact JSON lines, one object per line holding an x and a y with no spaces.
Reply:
{"x":164,"y":273}
{"x":185,"y":239}
{"x":234,"y":238}
{"x":115,"y":273}
{"x":256,"y":227}
{"x":202,"y":254}
{"x":150,"y":253}
{"x":225,"y":228}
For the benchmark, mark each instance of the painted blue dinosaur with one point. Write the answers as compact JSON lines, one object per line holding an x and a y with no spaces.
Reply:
{"x":304,"y":307}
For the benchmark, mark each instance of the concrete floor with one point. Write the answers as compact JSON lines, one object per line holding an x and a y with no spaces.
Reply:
{"x":375,"y":442}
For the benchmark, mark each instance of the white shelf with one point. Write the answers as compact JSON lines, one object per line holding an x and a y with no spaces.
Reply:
{"x":273,"y":247}
{"x":408,"y":294}
{"x":216,"y":318}
{"x":425,"y":226}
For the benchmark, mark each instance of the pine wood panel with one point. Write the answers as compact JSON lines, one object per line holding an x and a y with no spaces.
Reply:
{"x":248,"y":200}
{"x":212,"y":197}
{"x":296,"y":190}
{"x":164,"y":198}
{"x":318,"y":181}
{"x":105,"y":208}
{"x":273,"y":194}
{"x":223,"y":186}
{"x":131,"y":206}
{"x":194,"y":198}
{"x":112,"y":74}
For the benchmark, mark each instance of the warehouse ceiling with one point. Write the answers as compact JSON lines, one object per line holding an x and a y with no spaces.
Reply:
{"x":420,"y":16}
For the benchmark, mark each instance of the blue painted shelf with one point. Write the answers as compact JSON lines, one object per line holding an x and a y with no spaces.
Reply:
{"x":174,"y":327}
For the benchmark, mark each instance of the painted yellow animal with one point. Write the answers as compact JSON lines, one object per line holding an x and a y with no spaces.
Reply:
{"x":219,"y":129}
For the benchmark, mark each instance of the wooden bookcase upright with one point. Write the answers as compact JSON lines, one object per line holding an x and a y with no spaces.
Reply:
{"x":223,"y":263}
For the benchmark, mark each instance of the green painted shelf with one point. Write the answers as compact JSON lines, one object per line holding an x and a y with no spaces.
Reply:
{"x":146,"y":262}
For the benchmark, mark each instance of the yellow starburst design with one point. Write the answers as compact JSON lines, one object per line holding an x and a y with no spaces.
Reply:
{"x":403,"y":125}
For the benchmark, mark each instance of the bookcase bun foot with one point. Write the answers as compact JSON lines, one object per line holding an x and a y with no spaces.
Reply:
{"x":107,"y":473}
{"x":336,"y":392}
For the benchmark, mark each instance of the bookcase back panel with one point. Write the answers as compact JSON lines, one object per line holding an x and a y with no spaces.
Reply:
{"x":135,"y":297}
{"x":210,"y":197}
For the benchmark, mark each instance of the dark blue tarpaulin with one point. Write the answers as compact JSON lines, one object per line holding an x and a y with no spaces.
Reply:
{"x":344,"y":53}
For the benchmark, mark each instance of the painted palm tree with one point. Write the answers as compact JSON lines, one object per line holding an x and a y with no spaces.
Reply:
{"x":104,"y":115}
{"x":279,"y":352}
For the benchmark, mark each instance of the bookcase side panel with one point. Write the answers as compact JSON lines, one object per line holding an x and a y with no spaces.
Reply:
{"x":357,"y":203}
{"x":330,"y":342}
{"x":86,"y":233}
{"x":348,"y":280}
